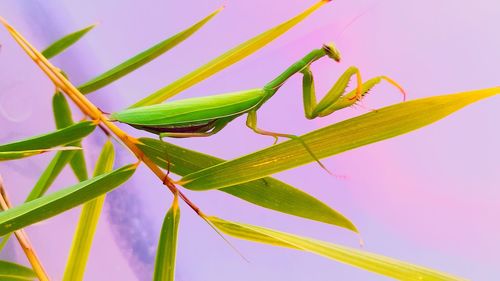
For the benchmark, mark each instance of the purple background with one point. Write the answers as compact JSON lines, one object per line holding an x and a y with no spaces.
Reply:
{"x":430,"y":197}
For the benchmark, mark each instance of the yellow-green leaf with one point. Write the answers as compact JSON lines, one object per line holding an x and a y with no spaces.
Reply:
{"x":372,"y":127}
{"x":266,"y":192}
{"x":167,"y":245}
{"x":227,"y":59}
{"x":142,"y":58}
{"x":365,"y":260}
{"x":62,"y":200}
{"x":10,"y":271}
{"x":87,"y":225}
{"x":62,"y":44}
{"x":60,"y":137}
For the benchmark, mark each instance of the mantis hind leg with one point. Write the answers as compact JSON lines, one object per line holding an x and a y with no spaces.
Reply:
{"x":252,"y":124}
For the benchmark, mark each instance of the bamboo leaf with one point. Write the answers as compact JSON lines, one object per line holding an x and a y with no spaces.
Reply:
{"x":63,"y":119}
{"x":227,"y":59}
{"x":87,"y":225}
{"x":60,"y":137}
{"x":50,"y":173}
{"x":62,"y":44}
{"x":143,"y":57}
{"x":15,"y":272}
{"x":372,"y":127}
{"x":62,"y":200}
{"x":167,"y":245}
{"x":13,"y":155}
{"x":266,"y":192}
{"x":365,"y":260}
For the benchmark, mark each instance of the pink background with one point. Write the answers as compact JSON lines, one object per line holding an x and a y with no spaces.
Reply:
{"x":430,"y":197}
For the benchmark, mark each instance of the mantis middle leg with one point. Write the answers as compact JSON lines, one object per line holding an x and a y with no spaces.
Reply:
{"x":252,"y":124}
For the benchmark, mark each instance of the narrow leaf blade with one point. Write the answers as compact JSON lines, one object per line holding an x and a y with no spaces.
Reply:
{"x":372,"y":127}
{"x":65,"y":42}
{"x":50,"y":173}
{"x":62,"y":200}
{"x":227,"y":59}
{"x":167,"y":245}
{"x":87,"y":224}
{"x":14,"y":155}
{"x":365,"y":260}
{"x":60,"y":137}
{"x":266,"y":192}
{"x":15,"y":271}
{"x":142,"y":58}
{"x":63,"y":119}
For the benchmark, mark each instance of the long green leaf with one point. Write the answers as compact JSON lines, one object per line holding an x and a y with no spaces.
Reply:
{"x":87,"y":225}
{"x":62,"y":116}
{"x":50,"y":174}
{"x":45,"y":181}
{"x":13,"y":271}
{"x":372,"y":127}
{"x":267,"y":192}
{"x":63,"y":119}
{"x":167,"y":245}
{"x":60,"y":137}
{"x":62,"y":44}
{"x":365,"y":260}
{"x":62,"y":200}
{"x":142,"y":58}
{"x":227,"y":59}
{"x":14,"y":155}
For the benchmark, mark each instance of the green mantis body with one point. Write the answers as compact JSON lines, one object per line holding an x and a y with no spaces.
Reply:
{"x":205,"y":116}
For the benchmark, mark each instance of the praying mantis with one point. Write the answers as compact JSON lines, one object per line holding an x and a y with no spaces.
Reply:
{"x":205,"y":116}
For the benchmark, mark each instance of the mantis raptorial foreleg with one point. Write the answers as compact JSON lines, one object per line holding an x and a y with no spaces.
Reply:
{"x":352,"y":97}
{"x":252,"y":124}
{"x":335,"y":99}
{"x":311,"y":108}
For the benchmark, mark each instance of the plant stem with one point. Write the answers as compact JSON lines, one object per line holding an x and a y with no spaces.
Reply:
{"x":89,"y":109}
{"x":23,"y":239}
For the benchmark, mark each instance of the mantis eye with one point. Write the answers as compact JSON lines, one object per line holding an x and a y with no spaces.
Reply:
{"x":332,"y":51}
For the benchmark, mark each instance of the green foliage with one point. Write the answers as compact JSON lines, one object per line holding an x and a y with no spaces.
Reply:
{"x":372,"y":262}
{"x":10,"y":271}
{"x":65,"y":42}
{"x":375,"y":126}
{"x":225,"y":60}
{"x":167,"y":245}
{"x":266,"y":192}
{"x":89,"y":217}
{"x":46,"y":141}
{"x":63,"y":119}
{"x":13,"y":155}
{"x":245,"y":177}
{"x":142,"y":58}
{"x":62,"y":200}
{"x":50,"y":174}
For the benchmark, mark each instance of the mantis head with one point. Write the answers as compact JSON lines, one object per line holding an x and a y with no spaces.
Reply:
{"x":332,"y":51}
